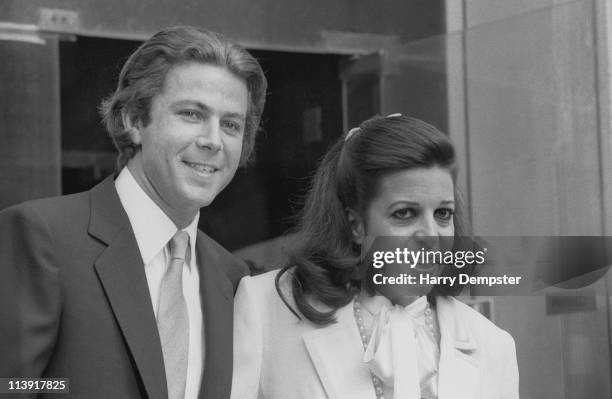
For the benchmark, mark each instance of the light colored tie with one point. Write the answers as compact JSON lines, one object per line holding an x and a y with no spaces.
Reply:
{"x":172,"y":318}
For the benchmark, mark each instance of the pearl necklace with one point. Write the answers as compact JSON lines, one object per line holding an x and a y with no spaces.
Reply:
{"x":378,"y":385}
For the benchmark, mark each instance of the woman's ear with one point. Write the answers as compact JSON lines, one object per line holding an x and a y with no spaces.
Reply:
{"x":131,"y":127}
{"x":357,"y":226}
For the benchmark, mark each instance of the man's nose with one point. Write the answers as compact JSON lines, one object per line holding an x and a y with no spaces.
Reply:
{"x":210,"y":135}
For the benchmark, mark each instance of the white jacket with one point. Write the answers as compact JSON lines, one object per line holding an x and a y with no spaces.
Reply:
{"x":278,"y":356}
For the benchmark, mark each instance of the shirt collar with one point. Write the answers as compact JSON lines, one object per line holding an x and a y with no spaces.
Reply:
{"x":152,"y":227}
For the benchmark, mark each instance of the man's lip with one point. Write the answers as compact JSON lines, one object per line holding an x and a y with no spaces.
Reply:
{"x":205,"y":164}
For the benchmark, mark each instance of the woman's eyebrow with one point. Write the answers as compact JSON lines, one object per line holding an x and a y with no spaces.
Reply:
{"x":405,"y":202}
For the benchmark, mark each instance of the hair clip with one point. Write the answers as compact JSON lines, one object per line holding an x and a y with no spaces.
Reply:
{"x":356,"y":129}
{"x":351,"y":132}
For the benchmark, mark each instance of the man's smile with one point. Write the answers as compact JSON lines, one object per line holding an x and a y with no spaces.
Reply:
{"x":202,"y":168}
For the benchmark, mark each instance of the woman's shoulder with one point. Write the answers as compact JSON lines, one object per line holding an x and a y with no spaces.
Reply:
{"x":263,"y":288}
{"x":266,"y":281}
{"x":482,"y":327}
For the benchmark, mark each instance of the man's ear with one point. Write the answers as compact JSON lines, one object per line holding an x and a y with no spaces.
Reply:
{"x":357,"y":226}
{"x":132,"y":127}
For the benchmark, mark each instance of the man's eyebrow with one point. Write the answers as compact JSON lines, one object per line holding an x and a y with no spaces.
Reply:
{"x":204,"y":107}
{"x":236,"y":115}
{"x":196,"y":103}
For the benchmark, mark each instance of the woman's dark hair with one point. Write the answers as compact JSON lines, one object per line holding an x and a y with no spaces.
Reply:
{"x":325,"y":261}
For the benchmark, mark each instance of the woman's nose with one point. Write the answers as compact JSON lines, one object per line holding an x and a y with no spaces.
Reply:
{"x":427,"y":234}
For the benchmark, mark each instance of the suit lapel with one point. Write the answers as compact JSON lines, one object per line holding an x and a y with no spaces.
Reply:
{"x":217,"y":299}
{"x":121,"y":273}
{"x":336,"y":353}
{"x":459,"y":369}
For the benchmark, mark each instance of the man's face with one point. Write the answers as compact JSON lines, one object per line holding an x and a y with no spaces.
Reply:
{"x":191,"y":148}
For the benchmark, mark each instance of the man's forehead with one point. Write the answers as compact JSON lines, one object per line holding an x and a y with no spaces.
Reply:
{"x":173,"y":76}
{"x":214,"y":86}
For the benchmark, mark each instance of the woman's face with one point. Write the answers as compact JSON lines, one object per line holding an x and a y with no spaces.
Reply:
{"x":416,"y":207}
{"x":413,"y":203}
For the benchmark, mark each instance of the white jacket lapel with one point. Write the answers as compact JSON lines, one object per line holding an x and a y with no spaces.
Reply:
{"x":336,"y":352}
{"x":459,"y":369}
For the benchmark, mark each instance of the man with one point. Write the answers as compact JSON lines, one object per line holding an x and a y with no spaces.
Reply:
{"x":115,"y":288}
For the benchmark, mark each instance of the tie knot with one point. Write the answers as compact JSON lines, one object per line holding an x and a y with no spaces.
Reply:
{"x":178,"y":245}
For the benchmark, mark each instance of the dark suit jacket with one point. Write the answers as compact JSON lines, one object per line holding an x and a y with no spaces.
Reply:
{"x":74,"y":300}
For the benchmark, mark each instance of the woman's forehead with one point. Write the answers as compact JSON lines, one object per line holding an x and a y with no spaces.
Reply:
{"x":434,"y":184}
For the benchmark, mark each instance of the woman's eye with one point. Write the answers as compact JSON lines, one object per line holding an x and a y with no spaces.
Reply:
{"x":404,"y":213}
{"x":445,"y":213}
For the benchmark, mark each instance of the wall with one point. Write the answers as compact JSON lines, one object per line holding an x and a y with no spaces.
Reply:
{"x":527,"y":75}
{"x":293,"y":25}
{"x":29,"y":120}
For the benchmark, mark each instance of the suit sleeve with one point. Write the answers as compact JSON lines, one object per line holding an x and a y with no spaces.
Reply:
{"x":248,"y":343}
{"x":510,"y":377}
{"x":29,"y":293}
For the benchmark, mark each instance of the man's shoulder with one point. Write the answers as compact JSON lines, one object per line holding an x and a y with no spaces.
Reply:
{"x":231,"y":265}
{"x":47,"y":208}
{"x":60,"y":210}
{"x":213,"y":247}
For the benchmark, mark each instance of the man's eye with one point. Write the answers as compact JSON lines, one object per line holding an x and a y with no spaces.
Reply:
{"x":232,"y":126}
{"x":445,"y":213}
{"x":191,"y":115}
{"x":404,"y":213}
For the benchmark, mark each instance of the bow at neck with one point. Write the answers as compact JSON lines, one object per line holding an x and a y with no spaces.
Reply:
{"x":403,"y":349}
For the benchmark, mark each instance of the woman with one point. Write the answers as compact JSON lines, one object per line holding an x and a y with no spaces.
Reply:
{"x":319,"y":328}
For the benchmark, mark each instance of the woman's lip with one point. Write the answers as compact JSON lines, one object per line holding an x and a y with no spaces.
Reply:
{"x":425,"y":266}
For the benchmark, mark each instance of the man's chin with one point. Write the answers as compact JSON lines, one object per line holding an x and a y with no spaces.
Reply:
{"x":197,"y":196}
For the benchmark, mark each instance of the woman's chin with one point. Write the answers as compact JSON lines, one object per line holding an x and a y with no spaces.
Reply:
{"x":427,"y":268}
{"x":404,"y":296}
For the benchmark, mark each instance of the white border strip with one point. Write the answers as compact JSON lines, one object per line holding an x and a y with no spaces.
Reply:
{"x":10,"y":31}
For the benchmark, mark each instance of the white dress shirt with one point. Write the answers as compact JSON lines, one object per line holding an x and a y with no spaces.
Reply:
{"x":153,"y":230}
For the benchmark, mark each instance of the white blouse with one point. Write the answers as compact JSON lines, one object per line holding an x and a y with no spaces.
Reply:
{"x":403,"y":350}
